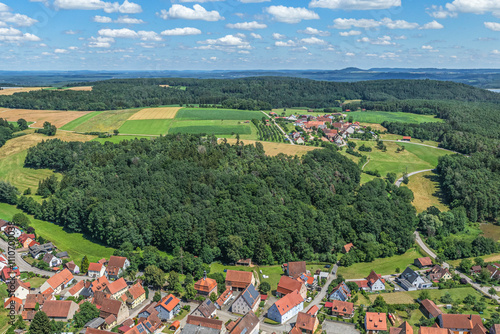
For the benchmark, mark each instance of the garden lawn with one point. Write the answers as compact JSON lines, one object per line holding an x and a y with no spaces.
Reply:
{"x":117,"y":139}
{"x":75,"y":244}
{"x":382,"y":266}
{"x":36,"y":282}
{"x":408,"y":297}
{"x":217,"y":114}
{"x":79,"y":121}
{"x":380,"y":116}
{"x":146,"y":127}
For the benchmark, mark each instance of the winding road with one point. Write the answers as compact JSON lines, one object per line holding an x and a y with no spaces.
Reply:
{"x":400,"y":180}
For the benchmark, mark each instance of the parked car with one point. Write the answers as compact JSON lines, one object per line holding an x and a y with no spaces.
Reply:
{"x":327,"y":266}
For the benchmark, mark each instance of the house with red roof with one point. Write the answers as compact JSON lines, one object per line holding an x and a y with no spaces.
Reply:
{"x":72,"y":267}
{"x":347,"y":247}
{"x":375,"y":322}
{"x":14,"y":303}
{"x":288,"y":285}
{"x":307,"y":323}
{"x":342,"y":309}
{"x":206,"y":286}
{"x":4,"y":261}
{"x":135,"y":295}
{"x":294,"y":269}
{"x":75,"y":290}
{"x":225,"y":297}
{"x":430,"y":309}
{"x":373,"y":282}
{"x":239,"y":280}
{"x":461,"y":323}
{"x":422,"y":262}
{"x":8,"y":273}
{"x":21,"y":289}
{"x":60,"y":310}
{"x":286,"y":308}
{"x":113,"y":311}
{"x":248,"y":324}
{"x":96,"y":270}
{"x":405,"y":328}
{"x":58,"y":282}
{"x":168,"y":307}
{"x":117,"y":288}
{"x":116,"y":265}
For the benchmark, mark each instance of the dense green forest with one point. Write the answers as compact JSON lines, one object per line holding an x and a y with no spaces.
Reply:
{"x":191,"y":192}
{"x":248,"y":93}
{"x":7,"y":129}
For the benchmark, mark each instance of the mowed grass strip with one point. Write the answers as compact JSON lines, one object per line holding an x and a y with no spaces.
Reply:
{"x":217,"y":114}
{"x":155,"y":113}
{"x":383,"y":266}
{"x":380,"y":116}
{"x":106,"y":121}
{"x":426,"y":191}
{"x":272,"y":149}
{"x":146,"y":127}
{"x":75,"y":244}
{"x":79,"y":121}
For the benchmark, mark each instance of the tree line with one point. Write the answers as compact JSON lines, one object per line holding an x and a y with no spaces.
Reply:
{"x":220,"y":201}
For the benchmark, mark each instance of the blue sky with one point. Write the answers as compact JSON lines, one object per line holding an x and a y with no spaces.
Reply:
{"x":247,"y":34}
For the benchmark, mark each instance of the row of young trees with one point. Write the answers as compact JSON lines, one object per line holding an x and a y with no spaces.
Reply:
{"x":220,"y":201}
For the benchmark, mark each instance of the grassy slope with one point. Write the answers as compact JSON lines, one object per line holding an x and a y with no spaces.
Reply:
{"x":74,"y":243}
{"x":384,"y":266}
{"x":79,"y":121}
{"x":273,"y":149}
{"x":217,"y":114}
{"x":380,"y":116}
{"x":146,"y":127}
{"x":426,"y":190}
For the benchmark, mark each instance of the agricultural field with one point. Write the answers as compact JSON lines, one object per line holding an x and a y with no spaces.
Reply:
{"x":100,"y":121}
{"x":425,"y":187}
{"x":12,"y":91}
{"x":56,"y":117}
{"x":380,"y":116}
{"x":383,"y":266}
{"x":77,"y":88}
{"x":412,"y":159}
{"x":155,"y":113}
{"x":146,"y":127}
{"x":13,"y":153}
{"x":301,"y":111}
{"x":215,"y":127}
{"x":218,"y":114}
{"x":273,"y":149}
{"x":75,"y":244}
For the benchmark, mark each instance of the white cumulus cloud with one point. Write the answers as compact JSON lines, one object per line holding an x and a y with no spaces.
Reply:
{"x":181,"y":31}
{"x":355,"y":4}
{"x":313,"y":31}
{"x":20,"y":20}
{"x":291,"y":14}
{"x":278,"y":36}
{"x":432,"y":25}
{"x":101,"y":42}
{"x":102,"y":19}
{"x":15,"y":35}
{"x":475,"y":6}
{"x":128,"y":33}
{"x":126,"y":7}
{"x":61,"y":51}
{"x":358,"y":23}
{"x":287,"y":43}
{"x":438,"y":12}
{"x":384,"y":40}
{"x":128,"y":20}
{"x":492,"y":26}
{"x":198,"y":12}
{"x":246,"y":25}
{"x":256,"y":36}
{"x":350,"y":33}
{"x":341,"y":23}
{"x":313,"y":41}
{"x":427,"y":47}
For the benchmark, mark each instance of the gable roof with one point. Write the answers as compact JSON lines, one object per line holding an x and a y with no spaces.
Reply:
{"x":431,"y":308}
{"x":76,"y":288}
{"x":288,"y":302}
{"x":478,"y":329}
{"x":251,"y":296}
{"x":424,"y":261}
{"x":375,"y":321}
{"x":405,"y":328}
{"x":32,"y":299}
{"x":100,"y":284}
{"x":63,"y":277}
{"x":434,"y":330}
{"x":460,"y":321}
{"x":169,"y":302}
{"x":57,"y":308}
{"x":224,"y":296}
{"x":239,"y":276}
{"x":110,"y":306}
{"x":136,"y":290}
{"x":297,"y":268}
{"x":245,"y":324}
{"x":95,"y":266}
{"x":117,"y":286}
{"x":204,"y":322}
{"x":410,"y":275}
{"x":342,"y":307}
{"x":373,"y":277}
{"x":288,"y":284}
{"x":313,"y":310}
{"x":206,"y":308}
{"x":305,"y":321}
{"x":117,"y":261}
{"x":16,"y":300}
{"x":347,"y":247}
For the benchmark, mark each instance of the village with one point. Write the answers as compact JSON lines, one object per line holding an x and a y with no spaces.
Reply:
{"x":303,"y":302}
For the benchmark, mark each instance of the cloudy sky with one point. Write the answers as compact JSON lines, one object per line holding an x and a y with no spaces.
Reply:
{"x":247,"y":34}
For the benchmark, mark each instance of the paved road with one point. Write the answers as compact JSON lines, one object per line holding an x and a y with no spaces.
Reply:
{"x":366,"y":163}
{"x":400,"y":180}
{"x":279,"y":127}
{"x":478,"y":287}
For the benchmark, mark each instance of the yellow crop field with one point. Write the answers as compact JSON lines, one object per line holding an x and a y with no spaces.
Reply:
{"x":56,"y":117}
{"x":273,"y":149}
{"x":11,"y":91}
{"x":155,"y":113}
{"x":81,"y":88}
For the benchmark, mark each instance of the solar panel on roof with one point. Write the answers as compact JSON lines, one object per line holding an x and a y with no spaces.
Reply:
{"x":209,"y":301}
{"x":244,"y":331}
{"x":168,"y":300}
{"x":148,"y":324}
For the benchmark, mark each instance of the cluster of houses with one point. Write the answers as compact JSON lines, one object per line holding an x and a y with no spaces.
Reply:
{"x":26,"y":240}
{"x":336,"y":130}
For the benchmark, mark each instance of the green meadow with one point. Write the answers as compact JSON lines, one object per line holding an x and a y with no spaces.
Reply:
{"x":217,"y":114}
{"x":146,"y":127}
{"x":378,"y":117}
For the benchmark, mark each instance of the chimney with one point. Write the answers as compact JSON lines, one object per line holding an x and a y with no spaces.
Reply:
{"x":204,"y":275}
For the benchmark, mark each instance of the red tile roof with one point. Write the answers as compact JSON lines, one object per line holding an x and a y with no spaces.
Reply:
{"x":305,"y":321}
{"x":405,"y":328}
{"x":288,"y":302}
{"x":95,"y":266}
{"x":60,"y":278}
{"x":204,"y":322}
{"x":117,"y":286}
{"x":239,"y":279}
{"x":347,"y":247}
{"x":461,"y":321}
{"x":343,"y":308}
{"x":172,"y":302}
{"x":205,"y":285}
{"x":225,"y":296}
{"x":375,"y":321}
{"x":424,"y":261}
{"x":57,"y":308}
{"x":109,"y":306}
{"x":373,"y":277}
{"x":313,"y":310}
{"x":287,"y":285}
{"x":100,"y":284}
{"x":136,"y":290}
{"x":16,"y":300}
{"x":434,"y":330}
{"x":296,"y":269}
{"x":431,"y":308}
{"x":76,"y":288}
{"x":117,"y":261}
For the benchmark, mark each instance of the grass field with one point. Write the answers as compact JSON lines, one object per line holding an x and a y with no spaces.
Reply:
{"x":215,"y":127}
{"x":490,"y":230}
{"x":301,"y":111}
{"x":155,"y":113}
{"x":106,"y":121}
{"x":79,"y":121}
{"x":380,"y":116}
{"x":273,"y":149}
{"x":383,"y":266}
{"x":408,"y":297}
{"x":75,"y":244}
{"x":56,"y":117}
{"x":117,"y":139}
{"x":217,"y":114}
{"x":425,"y":187}
{"x":146,"y":127}
{"x":4,"y":319}
{"x":390,"y":136}
{"x":413,"y":158}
